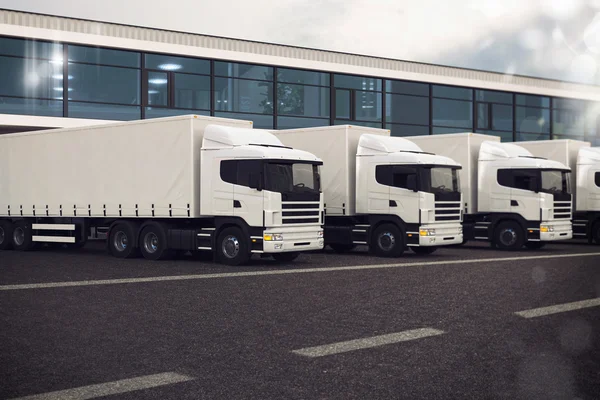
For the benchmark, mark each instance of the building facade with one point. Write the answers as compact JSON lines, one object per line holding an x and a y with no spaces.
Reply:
{"x":59,"y":72}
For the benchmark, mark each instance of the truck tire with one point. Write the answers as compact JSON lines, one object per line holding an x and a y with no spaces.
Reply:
{"x":342,"y":248}
{"x":285,"y":257}
{"x":423,"y":250}
{"x":21,"y":238}
{"x":121,"y":240}
{"x":232,"y":247}
{"x":508,"y":235}
{"x":153,"y":242}
{"x":5,"y":235}
{"x":387,"y":241}
{"x":535,"y":245}
{"x":596,"y":232}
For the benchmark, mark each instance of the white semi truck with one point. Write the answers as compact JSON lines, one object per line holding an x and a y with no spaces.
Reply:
{"x":584,"y":162}
{"x":188,"y":183}
{"x":511,"y":198}
{"x":383,"y":192}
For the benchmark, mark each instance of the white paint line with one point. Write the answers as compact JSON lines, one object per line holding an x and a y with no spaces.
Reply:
{"x":111,"y":388}
{"x":577,"y":305}
{"x":281,"y":272}
{"x":367,"y":343}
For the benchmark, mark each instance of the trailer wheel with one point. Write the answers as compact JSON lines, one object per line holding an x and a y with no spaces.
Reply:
{"x":285,"y":257}
{"x":596,"y":232}
{"x":121,"y":241}
{"x":5,"y":235}
{"x":535,"y":245}
{"x":342,"y":248}
{"x":423,"y":250}
{"x":509,"y":236}
{"x":22,"y":236}
{"x":153,"y":242}
{"x":387,"y":241}
{"x":232,"y":247}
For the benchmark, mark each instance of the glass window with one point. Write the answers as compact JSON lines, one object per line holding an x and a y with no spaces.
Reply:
{"x":357,"y":82}
{"x":483,"y":114}
{"x":368,"y":106}
{"x":597,"y":179}
{"x":192,"y":91}
{"x":158,"y":95}
{"x":407,"y":109}
{"x":490,"y":96}
{"x":533,"y":101}
{"x":177,"y":64}
{"x":436,"y":130}
{"x":533,"y":120}
{"x":104,"y":84}
{"x":309,"y":101}
{"x":298,"y":122}
{"x":407,"y":130}
{"x":502,"y":117}
{"x":243,"y":96}
{"x":522,"y":137}
{"x":452,"y":92}
{"x":568,"y":122}
{"x":304,"y":77}
{"x":568,"y":103}
{"x":49,"y":108}
{"x":358,"y":123}
{"x":342,"y":103}
{"x":159,"y":112}
{"x":260,"y":121}
{"x":96,"y":55}
{"x":31,"y":49}
{"x":523,"y":179}
{"x":103,"y":111}
{"x":419,"y":89}
{"x":452,"y":113}
{"x":238,"y":172}
{"x":504,"y":136}
{"x":30,"y":78}
{"x":396,"y":176}
{"x":246,"y":71}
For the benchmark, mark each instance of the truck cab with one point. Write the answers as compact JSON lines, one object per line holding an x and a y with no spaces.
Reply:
{"x":586,"y":222}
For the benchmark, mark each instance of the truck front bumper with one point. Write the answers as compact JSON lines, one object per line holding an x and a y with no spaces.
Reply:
{"x":556,"y":230}
{"x":438,"y":235}
{"x":292,"y":239}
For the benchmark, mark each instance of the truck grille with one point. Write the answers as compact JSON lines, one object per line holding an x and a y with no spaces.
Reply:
{"x":562,"y":210}
{"x":446,"y":211}
{"x":300,"y":212}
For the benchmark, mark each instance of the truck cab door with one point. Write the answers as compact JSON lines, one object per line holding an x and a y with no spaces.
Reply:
{"x":501,"y":192}
{"x":222,"y":189}
{"x":404,"y":197}
{"x":593,"y":189}
{"x":248,"y":201}
{"x":378,"y":196}
{"x":524,"y":198}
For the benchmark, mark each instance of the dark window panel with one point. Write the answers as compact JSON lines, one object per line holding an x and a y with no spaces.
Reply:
{"x":569,"y":103}
{"x":533,"y":101}
{"x":407,"y":109}
{"x":246,"y":71}
{"x":260,"y":121}
{"x":358,"y":123}
{"x":396,"y":176}
{"x":403,"y":87}
{"x":357,"y":82}
{"x":301,"y":76}
{"x":597,"y":179}
{"x":522,"y":137}
{"x":302,"y":100}
{"x":177,"y":64}
{"x":533,"y":120}
{"x":103,"y":111}
{"x":49,"y":108}
{"x":568,"y":122}
{"x":407,"y":130}
{"x":30,"y":78}
{"x":192,"y":91}
{"x":31,"y":49}
{"x":505,"y":136}
{"x":502,"y":117}
{"x":572,"y":137}
{"x":368,"y":106}
{"x":298,"y":122}
{"x":490,"y":96}
{"x":243,"y":96}
{"x":159,"y":112}
{"x":104,"y":84}
{"x":522,"y":179}
{"x":452,"y":92}
{"x":452,"y":113}
{"x":483,"y":116}
{"x":342,"y":103}
{"x":440,"y":130}
{"x":158,"y":94}
{"x":96,"y":55}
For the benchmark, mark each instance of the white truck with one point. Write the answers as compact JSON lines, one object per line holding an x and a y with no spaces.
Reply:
{"x":382,"y":191}
{"x":159,"y":186}
{"x":512,"y":199}
{"x":584,"y":162}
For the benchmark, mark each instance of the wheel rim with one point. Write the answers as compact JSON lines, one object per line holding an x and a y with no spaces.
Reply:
{"x":151,"y":243}
{"x":230,"y":246}
{"x":1,"y":235}
{"x":386,"y":241}
{"x":121,"y":241}
{"x":19,"y":236}
{"x":508,"y":237}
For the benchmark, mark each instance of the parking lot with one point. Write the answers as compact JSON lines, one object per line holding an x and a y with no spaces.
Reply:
{"x":468,"y":322}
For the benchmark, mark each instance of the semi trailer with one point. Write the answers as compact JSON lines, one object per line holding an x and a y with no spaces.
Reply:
{"x":176,"y":184}
{"x":383,"y":192}
{"x":511,"y":198}
{"x":584,"y":162}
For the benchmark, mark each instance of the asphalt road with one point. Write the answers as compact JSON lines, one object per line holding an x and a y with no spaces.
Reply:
{"x":185,"y":329}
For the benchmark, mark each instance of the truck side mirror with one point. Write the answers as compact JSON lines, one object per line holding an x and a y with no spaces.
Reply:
{"x":254,"y":182}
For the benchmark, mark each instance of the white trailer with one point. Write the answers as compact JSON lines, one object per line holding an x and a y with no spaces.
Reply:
{"x":506,"y":201}
{"x":188,"y":183}
{"x":584,"y":162}
{"x":382,"y":191}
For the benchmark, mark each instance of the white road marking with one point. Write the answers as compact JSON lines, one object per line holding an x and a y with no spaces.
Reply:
{"x":366,"y":343}
{"x":281,"y":272}
{"x":577,"y":305}
{"x":111,"y":388}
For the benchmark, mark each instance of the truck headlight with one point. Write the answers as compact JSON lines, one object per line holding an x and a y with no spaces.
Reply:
{"x":427,"y":232}
{"x":272,"y":237}
{"x":460,"y":230}
{"x":320,"y":235}
{"x":546,"y":228}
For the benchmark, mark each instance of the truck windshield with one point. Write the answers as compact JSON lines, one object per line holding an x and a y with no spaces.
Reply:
{"x":440,"y":180}
{"x":290,"y":177}
{"x":555,"y":181}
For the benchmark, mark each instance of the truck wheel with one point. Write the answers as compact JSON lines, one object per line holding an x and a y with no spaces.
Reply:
{"x":285,"y":257}
{"x":342,"y":248}
{"x":21,"y":236}
{"x":509,"y":236}
{"x":5,"y":235}
{"x":153,"y":242}
{"x":232,"y":248}
{"x":535,"y":245}
{"x":424,"y":249}
{"x":596,"y":232}
{"x":121,"y":241}
{"x":387,"y":241}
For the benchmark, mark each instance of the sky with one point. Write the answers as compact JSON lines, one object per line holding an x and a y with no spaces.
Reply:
{"x":556,"y":39}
